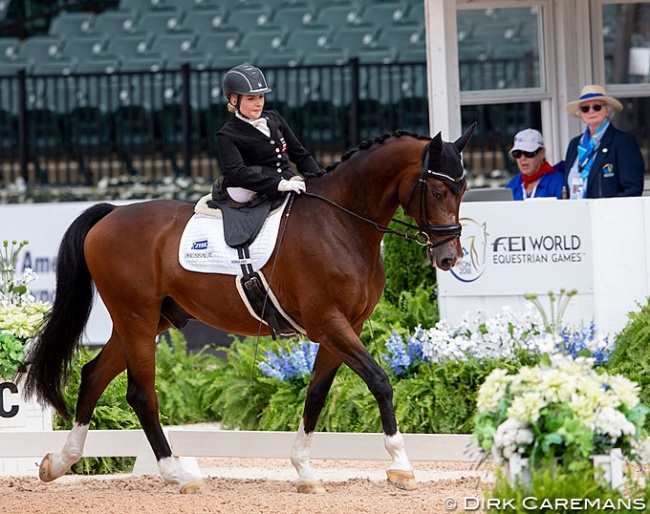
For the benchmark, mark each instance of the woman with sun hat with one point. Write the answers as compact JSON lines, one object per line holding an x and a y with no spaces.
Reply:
{"x":604,"y":161}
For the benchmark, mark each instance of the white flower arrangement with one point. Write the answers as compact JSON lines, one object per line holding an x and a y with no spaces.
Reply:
{"x":20,"y":314}
{"x":560,"y":408}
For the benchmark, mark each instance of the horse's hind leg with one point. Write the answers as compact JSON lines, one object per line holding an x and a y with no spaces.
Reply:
{"x":141,"y":395}
{"x":325,"y":368}
{"x":95,"y":376}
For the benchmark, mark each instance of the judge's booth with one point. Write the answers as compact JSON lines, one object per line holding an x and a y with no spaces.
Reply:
{"x":598,"y":247}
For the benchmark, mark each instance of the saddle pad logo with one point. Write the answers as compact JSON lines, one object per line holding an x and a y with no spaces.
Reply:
{"x":200,"y":245}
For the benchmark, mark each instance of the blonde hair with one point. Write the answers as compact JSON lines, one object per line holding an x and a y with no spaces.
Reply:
{"x":230,"y":106}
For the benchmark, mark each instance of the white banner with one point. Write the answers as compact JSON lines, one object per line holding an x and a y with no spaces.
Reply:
{"x":43,"y":225}
{"x":514,"y":247}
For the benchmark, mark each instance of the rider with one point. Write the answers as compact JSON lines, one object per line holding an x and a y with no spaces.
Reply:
{"x":255,"y":145}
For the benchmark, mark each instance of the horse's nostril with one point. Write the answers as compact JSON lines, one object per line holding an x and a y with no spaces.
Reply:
{"x":446,"y":264}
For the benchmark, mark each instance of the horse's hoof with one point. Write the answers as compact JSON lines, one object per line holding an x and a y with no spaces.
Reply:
{"x":402,"y":479}
{"x":45,"y":469}
{"x":316,"y":487}
{"x":192,"y":487}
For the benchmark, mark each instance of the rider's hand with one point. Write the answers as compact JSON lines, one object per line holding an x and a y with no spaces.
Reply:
{"x":295,"y":186}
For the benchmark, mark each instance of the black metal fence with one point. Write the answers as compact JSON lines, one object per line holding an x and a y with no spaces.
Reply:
{"x":58,"y":127}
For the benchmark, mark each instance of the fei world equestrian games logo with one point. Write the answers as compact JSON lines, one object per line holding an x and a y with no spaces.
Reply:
{"x":474,"y":242}
{"x":505,"y":252}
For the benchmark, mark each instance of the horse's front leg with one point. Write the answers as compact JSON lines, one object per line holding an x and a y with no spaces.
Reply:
{"x":325,"y":368}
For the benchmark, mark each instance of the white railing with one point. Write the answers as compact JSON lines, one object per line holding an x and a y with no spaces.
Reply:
{"x":187,"y":443}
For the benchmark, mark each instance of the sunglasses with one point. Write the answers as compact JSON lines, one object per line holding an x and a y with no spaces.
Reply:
{"x":518,"y":153}
{"x":595,"y":107}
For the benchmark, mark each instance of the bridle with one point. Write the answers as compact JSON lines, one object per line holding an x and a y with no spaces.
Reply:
{"x":421,"y":237}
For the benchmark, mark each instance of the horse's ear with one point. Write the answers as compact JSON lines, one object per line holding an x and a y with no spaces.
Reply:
{"x":462,"y":141}
{"x":435,"y":147}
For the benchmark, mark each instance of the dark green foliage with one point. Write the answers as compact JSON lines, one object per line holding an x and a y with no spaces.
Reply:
{"x":406,"y":264}
{"x":182,"y":381}
{"x":413,"y":308}
{"x":631,"y":355}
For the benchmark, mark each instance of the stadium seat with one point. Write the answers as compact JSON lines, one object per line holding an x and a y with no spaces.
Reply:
{"x":173,"y":45}
{"x":41,"y":48}
{"x":82,"y":47}
{"x":129,"y":45}
{"x":415,"y":13}
{"x":9,"y":48}
{"x":71,"y":23}
{"x":337,"y":14}
{"x":219,"y":42}
{"x":309,"y":38}
{"x":158,"y":22}
{"x":115,"y":22}
{"x":263,"y":39}
{"x":402,"y":37}
{"x":202,"y":20}
{"x":383,"y":14}
{"x":356,"y":39}
{"x":248,"y":17}
{"x":292,"y":15}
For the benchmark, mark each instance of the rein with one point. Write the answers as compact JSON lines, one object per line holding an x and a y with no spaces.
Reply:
{"x":420,"y":237}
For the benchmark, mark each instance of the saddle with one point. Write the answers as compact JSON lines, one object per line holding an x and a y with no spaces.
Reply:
{"x":242,"y":222}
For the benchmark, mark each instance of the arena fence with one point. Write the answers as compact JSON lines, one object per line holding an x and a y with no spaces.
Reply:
{"x":187,"y":444}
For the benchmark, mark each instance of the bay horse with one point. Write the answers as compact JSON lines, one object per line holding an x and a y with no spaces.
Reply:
{"x":329,"y":278}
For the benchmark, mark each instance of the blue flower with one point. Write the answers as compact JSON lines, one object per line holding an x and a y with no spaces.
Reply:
{"x":294,"y":364}
{"x":403,"y":357}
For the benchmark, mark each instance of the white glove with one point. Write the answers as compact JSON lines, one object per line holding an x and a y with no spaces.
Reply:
{"x":295,"y":186}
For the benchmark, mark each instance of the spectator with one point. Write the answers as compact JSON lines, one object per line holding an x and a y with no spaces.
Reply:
{"x":250,"y":164}
{"x":536,"y":177}
{"x":604,"y":161}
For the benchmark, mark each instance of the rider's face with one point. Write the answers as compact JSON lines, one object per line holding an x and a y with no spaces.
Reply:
{"x":251,"y":106}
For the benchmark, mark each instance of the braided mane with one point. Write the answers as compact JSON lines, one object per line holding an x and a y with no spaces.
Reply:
{"x":364,"y":145}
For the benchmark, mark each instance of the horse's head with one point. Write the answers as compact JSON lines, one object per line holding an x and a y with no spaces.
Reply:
{"x":435,"y":200}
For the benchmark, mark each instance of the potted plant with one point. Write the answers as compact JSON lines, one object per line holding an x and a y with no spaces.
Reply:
{"x":560,"y":412}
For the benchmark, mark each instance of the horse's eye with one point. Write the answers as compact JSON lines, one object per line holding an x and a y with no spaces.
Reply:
{"x":437,"y":194}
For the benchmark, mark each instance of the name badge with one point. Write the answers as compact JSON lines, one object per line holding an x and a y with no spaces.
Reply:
{"x":577,"y":188}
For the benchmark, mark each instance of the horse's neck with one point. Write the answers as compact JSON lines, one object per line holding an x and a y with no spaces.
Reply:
{"x":368,"y":187}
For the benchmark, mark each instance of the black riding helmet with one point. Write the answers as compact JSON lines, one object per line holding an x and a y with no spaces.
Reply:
{"x":244,"y":79}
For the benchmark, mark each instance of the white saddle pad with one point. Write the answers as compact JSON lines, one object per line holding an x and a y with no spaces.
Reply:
{"x":204,"y":249}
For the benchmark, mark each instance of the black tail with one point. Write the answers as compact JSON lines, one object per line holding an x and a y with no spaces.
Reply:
{"x":48,"y":360}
